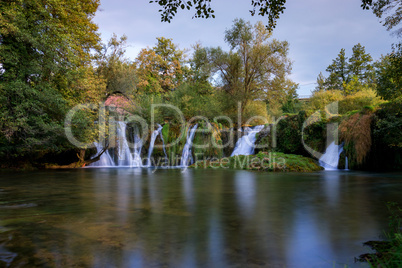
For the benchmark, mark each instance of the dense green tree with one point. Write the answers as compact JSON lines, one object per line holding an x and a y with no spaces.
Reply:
{"x":160,"y":69}
{"x":338,"y":72}
{"x":389,"y":70}
{"x":44,"y":53}
{"x":357,"y":71}
{"x":200,"y":70}
{"x":359,"y":65}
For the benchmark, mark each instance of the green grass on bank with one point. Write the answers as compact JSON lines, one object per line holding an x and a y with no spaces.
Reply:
{"x":264,"y":161}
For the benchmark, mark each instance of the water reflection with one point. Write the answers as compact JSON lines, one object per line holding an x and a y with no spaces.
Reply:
{"x":187,"y":187}
{"x":198,"y":218}
{"x":245,"y":192}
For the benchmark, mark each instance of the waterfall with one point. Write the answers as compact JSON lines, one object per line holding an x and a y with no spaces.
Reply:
{"x":105,"y":159}
{"x":152,"y":143}
{"x":187,"y":147}
{"x":346,"y":163}
{"x":330,"y":159}
{"x":137,"y":161}
{"x":245,"y":145}
{"x":163,"y":144}
{"x":125,"y":156}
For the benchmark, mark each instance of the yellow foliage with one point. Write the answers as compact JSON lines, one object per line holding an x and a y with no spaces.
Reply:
{"x":358,"y":100}
{"x":256,"y":108}
{"x":352,"y":102}
{"x":321,"y":99}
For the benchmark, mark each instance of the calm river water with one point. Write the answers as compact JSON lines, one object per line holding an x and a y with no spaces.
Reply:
{"x":120,"y":217}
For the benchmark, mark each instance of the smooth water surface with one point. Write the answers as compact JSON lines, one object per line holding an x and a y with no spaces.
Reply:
{"x":198,"y":218}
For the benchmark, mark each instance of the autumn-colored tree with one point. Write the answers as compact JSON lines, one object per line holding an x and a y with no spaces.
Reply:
{"x":160,"y":69}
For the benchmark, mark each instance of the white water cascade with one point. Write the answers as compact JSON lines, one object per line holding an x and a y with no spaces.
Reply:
{"x":245,"y":145}
{"x":126,"y":158}
{"x":137,"y":160}
{"x":105,"y":159}
{"x":186,"y":155}
{"x":330,"y":159}
{"x":152,"y":143}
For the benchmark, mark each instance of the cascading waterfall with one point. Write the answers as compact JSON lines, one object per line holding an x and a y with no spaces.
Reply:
{"x":163,"y":145}
{"x":152,"y":143}
{"x":245,"y":145}
{"x":330,"y":159}
{"x":137,"y":161}
{"x":346,"y":163}
{"x":186,"y":155}
{"x":125,"y":156}
{"x":105,"y":159}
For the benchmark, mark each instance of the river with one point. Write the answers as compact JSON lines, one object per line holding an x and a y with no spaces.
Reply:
{"x":138,"y":217}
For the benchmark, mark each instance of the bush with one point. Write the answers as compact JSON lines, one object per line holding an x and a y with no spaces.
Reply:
{"x":359,"y":100}
{"x":352,"y":102}
{"x":321,"y":99}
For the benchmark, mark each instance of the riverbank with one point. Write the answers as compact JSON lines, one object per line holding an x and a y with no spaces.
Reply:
{"x":263,"y":161}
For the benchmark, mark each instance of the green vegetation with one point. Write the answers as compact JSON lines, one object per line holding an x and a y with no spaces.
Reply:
{"x":52,"y":60}
{"x":263,"y":161}
{"x":389,"y":252}
{"x":45,"y":70}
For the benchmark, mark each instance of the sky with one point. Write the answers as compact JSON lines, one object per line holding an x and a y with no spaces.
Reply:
{"x":316,"y":30}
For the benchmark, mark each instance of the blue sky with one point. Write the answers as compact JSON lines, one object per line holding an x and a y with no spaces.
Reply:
{"x":315,"y":29}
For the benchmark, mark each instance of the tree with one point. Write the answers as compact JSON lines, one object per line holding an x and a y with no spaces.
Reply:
{"x":384,"y":8}
{"x":160,"y":69}
{"x":357,"y":70}
{"x":389,"y":70}
{"x":253,"y":67}
{"x":320,"y":83}
{"x":44,"y":52}
{"x":282,"y":97}
{"x":273,"y":8}
{"x":359,"y":65}
{"x":115,"y":68}
{"x":200,"y":70}
{"x":338,"y":72}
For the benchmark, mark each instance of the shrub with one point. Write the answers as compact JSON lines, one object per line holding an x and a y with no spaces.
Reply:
{"x":355,"y":131}
{"x":359,"y":100}
{"x":321,"y":99}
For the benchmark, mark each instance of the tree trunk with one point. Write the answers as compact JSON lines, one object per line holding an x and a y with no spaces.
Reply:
{"x":81,"y":162}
